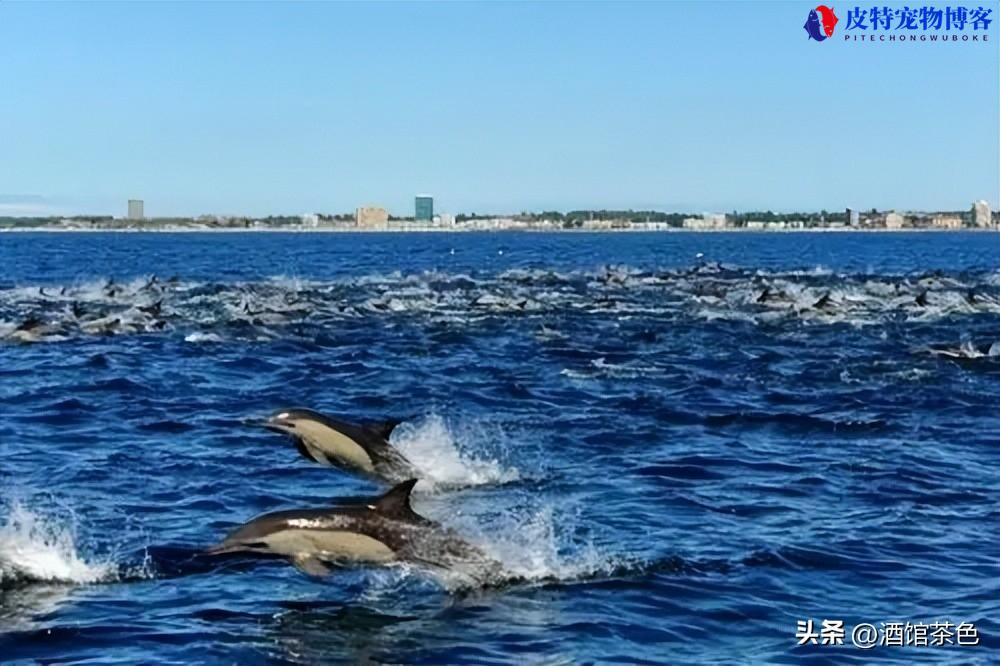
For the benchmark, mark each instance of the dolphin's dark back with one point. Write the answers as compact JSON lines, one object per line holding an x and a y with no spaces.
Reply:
{"x":373,"y":438}
{"x":388,"y":518}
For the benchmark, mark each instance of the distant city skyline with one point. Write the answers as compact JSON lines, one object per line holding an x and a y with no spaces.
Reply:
{"x":423,"y":210}
{"x":258,"y":109}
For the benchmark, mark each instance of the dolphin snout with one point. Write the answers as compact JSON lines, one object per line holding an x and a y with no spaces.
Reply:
{"x":277,"y":426}
{"x":278,"y":423}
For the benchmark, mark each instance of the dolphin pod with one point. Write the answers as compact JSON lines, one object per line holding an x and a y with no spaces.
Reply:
{"x":200,"y":311}
{"x":379,"y":531}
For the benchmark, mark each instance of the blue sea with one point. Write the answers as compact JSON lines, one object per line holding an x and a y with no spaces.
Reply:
{"x":684,"y":447}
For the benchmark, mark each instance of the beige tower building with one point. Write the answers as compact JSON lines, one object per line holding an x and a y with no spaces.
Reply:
{"x":371,"y":217}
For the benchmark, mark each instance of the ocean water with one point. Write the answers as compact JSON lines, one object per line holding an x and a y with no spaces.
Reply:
{"x":680,"y":444}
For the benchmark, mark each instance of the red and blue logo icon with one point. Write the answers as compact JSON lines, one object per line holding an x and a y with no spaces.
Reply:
{"x":820,"y":23}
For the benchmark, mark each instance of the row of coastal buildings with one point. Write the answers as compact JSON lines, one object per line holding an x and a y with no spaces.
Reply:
{"x":365,"y":217}
{"x":977,"y":216}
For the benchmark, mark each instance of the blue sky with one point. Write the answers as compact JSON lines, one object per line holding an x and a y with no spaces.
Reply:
{"x":268,"y":108}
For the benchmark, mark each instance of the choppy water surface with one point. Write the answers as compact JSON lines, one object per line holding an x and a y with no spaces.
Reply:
{"x":679,"y":456}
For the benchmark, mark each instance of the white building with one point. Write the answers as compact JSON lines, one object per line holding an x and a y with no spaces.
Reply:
{"x":598,"y":224}
{"x":640,"y":226}
{"x":981,"y":214}
{"x":706,"y":221}
{"x":894,"y":220}
{"x":946,"y":222}
{"x":135,"y":209}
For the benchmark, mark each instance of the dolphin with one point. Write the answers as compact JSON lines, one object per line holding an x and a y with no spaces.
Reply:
{"x":361,"y":449}
{"x":30,"y":323}
{"x":824,"y":301}
{"x":381,"y":531}
{"x":153,"y":310}
{"x":108,"y":325}
{"x":33,"y":329}
{"x":967,"y":351}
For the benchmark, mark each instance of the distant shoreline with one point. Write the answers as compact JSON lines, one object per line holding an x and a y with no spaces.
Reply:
{"x":433,"y":230}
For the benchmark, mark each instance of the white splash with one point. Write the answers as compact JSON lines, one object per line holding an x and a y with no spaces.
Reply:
{"x":602,"y":369}
{"x":34,"y":548}
{"x":197,"y":337}
{"x":533,"y":545}
{"x":434,"y":450}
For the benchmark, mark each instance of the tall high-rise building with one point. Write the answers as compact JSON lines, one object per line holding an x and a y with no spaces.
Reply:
{"x":853,"y":217}
{"x":424,"y":208}
{"x":135,"y":211}
{"x":981,"y":215}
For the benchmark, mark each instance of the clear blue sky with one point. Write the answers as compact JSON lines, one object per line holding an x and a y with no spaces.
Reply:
{"x":269,"y":108}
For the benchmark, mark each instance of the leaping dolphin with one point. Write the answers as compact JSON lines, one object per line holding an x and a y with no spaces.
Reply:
{"x":382,"y":531}
{"x":362,"y":449}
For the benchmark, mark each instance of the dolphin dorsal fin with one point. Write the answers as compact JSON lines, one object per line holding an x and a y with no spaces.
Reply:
{"x":396,"y":502}
{"x":384,"y":428}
